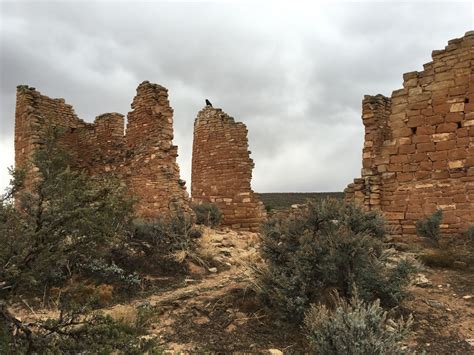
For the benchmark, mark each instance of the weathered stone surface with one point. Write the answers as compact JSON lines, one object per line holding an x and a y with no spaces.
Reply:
{"x":430,"y":162}
{"x":222,"y":169}
{"x":144,"y":158}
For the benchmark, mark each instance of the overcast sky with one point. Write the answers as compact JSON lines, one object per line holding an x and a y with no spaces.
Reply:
{"x":295,"y":73}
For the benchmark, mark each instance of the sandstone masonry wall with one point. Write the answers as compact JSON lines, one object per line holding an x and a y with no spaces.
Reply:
{"x":222,"y":169}
{"x":418,"y":153}
{"x":144,"y":158}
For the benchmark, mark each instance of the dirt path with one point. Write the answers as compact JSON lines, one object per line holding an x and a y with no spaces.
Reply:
{"x":443,"y":309}
{"x":214,"y":311}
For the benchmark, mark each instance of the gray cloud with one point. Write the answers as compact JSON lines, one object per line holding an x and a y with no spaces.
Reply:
{"x":295,"y":74}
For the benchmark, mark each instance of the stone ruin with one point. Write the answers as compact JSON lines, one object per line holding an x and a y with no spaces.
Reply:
{"x":144,"y":158}
{"x":418,"y":154}
{"x":222,"y":169}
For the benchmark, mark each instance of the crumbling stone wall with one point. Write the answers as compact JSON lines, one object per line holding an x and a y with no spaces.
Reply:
{"x":418,"y":154}
{"x":144,"y":158}
{"x":222,"y":169}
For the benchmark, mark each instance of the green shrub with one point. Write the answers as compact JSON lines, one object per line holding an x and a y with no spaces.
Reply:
{"x":470,"y":233}
{"x":428,"y":228}
{"x":269,"y":208}
{"x":64,"y":220}
{"x":355,"y":327}
{"x":207,"y":214}
{"x":328,"y":246}
{"x":75,"y":331}
{"x":159,"y":243}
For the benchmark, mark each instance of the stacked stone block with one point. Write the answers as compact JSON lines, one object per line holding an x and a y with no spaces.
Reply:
{"x":151,"y":171}
{"x":418,"y":153}
{"x":144,"y":159}
{"x":222,"y":169}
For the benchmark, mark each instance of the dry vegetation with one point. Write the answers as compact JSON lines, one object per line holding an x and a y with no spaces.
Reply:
{"x":325,"y":278}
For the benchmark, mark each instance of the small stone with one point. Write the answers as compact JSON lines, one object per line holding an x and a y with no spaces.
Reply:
{"x":467,"y":297}
{"x":201,"y":320}
{"x":227,"y":243}
{"x":230,"y":328}
{"x":217,"y":238}
{"x":240,"y":315}
{"x":275,"y":352}
{"x":435,"y":304}
{"x":470,"y":341}
{"x":213,"y":270}
{"x":421,"y":281}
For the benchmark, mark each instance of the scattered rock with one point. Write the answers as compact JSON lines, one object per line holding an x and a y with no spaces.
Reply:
{"x":201,"y":320}
{"x":435,"y":304}
{"x":217,"y":237}
{"x":227,"y":243}
{"x":421,"y":280}
{"x":213,"y":270}
{"x":467,"y":297}
{"x":470,"y":342}
{"x":241,"y":317}
{"x":275,"y":352}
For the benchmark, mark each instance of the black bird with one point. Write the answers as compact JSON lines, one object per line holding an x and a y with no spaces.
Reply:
{"x":208,"y":103}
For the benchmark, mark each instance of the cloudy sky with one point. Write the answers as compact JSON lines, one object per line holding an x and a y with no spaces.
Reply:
{"x":294,"y":72}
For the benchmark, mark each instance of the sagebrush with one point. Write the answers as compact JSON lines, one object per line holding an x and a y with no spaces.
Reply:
{"x":162,"y":244}
{"x":75,"y":331}
{"x":355,"y":327}
{"x":327,"y":246}
{"x":207,"y":214}
{"x":429,"y":228}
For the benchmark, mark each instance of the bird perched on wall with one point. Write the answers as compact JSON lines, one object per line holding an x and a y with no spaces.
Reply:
{"x":208,"y":103}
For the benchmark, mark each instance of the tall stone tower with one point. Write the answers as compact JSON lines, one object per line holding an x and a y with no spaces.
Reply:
{"x":222,"y":169}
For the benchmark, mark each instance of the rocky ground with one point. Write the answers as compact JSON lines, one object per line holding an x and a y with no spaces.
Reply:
{"x":214,"y":310}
